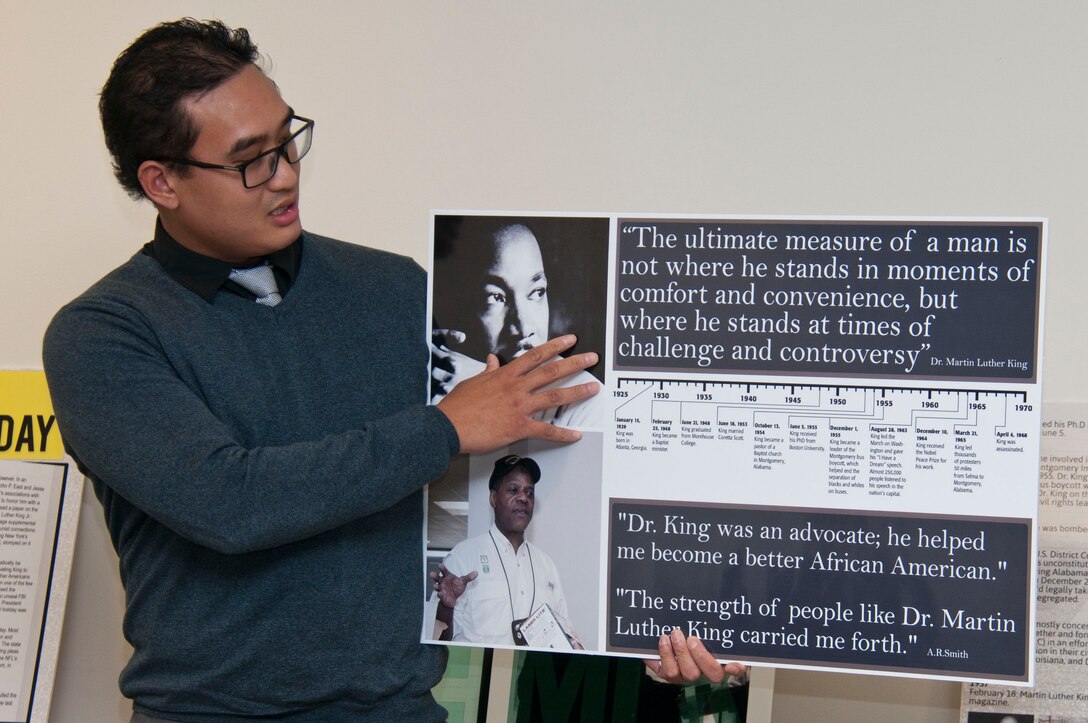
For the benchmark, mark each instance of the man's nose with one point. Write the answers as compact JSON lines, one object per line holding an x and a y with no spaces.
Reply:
{"x":516,"y":320}
{"x":513,"y":321}
{"x":286,"y":175}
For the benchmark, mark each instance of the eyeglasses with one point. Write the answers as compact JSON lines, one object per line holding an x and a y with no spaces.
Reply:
{"x":261,"y":169}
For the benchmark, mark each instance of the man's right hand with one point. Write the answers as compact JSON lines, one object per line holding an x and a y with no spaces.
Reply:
{"x":684,"y":660}
{"x":495,"y":408}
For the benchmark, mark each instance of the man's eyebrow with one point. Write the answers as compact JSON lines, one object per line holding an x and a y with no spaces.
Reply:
{"x":248,"y":142}
{"x":500,"y":281}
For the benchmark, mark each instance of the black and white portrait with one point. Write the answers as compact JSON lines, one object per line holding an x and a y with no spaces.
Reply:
{"x":503,"y":284}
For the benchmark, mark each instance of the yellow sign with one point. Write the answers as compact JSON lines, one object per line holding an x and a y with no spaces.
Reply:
{"x":28,"y":428}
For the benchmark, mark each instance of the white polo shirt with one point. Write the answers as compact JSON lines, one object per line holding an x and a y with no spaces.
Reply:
{"x":526,"y":580}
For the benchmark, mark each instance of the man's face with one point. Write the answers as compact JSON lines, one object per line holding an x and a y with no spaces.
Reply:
{"x":216,"y":215}
{"x":514,"y":314}
{"x":513,"y":501}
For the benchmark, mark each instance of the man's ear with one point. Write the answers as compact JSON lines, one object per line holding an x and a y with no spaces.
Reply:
{"x":158,"y":183}
{"x":491,"y":498}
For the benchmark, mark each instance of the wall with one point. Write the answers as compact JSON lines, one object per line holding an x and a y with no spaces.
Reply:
{"x":921,"y":108}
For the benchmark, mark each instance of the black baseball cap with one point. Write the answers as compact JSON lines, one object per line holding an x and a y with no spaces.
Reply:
{"x":506,"y":465}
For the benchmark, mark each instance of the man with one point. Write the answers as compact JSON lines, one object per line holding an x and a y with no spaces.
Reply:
{"x":490,"y":584}
{"x":491,"y":297}
{"x":260,"y":464}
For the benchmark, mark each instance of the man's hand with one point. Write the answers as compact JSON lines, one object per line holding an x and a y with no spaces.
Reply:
{"x":448,"y":367}
{"x":687,"y":660}
{"x":448,"y":586}
{"x":495,"y":408}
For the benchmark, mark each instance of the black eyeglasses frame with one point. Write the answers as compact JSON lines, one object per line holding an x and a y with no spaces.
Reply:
{"x":276,"y":153}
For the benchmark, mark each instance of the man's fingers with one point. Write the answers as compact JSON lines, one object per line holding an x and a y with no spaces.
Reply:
{"x":736,"y":669}
{"x":550,"y":432}
{"x":536,"y":356}
{"x":667,"y":668}
{"x":689,"y":668}
{"x":442,"y":337}
{"x":704,"y":661}
{"x":561,"y":368}
{"x":687,"y":659}
{"x":494,"y":408}
{"x":556,"y":371}
{"x":560,"y":396}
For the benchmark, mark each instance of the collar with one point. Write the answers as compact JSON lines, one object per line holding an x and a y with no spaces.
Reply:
{"x":205,"y":276}
{"x":502,"y":542}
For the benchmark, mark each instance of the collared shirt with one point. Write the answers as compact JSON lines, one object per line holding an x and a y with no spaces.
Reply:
{"x":525,"y":579}
{"x":205,"y":276}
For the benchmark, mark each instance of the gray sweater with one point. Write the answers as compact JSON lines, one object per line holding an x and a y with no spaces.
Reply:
{"x":260,"y":472}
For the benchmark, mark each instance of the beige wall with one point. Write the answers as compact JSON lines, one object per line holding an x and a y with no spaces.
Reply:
{"x":919,"y":108}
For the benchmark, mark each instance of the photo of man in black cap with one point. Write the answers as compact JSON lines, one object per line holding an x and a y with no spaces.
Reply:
{"x":491,"y":584}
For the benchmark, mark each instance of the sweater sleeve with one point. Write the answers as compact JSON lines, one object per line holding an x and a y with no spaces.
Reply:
{"x":133,"y":425}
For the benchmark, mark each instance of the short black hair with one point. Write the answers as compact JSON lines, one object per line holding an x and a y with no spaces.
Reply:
{"x":140,"y":105}
{"x":464,"y":247}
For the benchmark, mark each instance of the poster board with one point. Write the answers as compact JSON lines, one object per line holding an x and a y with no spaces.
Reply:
{"x":40,"y":492}
{"x":1059,"y":691}
{"x":816,"y":443}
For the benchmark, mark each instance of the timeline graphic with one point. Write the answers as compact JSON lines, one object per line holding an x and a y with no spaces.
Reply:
{"x":871,"y":440}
